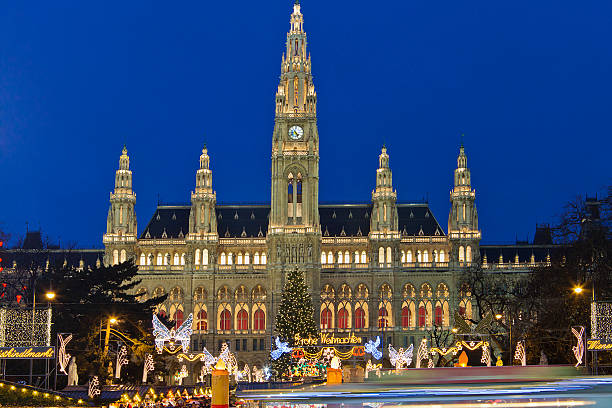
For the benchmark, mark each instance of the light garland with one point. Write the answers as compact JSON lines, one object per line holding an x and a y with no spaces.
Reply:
{"x":400,"y":358}
{"x":149,"y":365}
{"x":62,"y":356}
{"x":281,"y":348}
{"x":578,"y":349}
{"x":94,"y":387}
{"x":17,"y":329}
{"x":204,"y":356}
{"x":163,"y":334}
{"x":371,"y":347}
{"x":601,"y":320}
{"x":520,"y":354}
{"x":121,"y":361}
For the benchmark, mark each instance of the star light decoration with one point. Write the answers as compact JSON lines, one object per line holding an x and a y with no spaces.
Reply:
{"x":578,"y":349}
{"x":400,"y":358}
{"x":121,"y":361}
{"x":94,"y":387}
{"x":63,"y":358}
{"x":371,"y":347}
{"x":281,"y":348}
{"x":163,"y":334}
{"x":520,"y":354}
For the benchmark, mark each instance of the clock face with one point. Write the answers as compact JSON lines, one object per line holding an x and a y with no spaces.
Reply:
{"x":296,"y":132}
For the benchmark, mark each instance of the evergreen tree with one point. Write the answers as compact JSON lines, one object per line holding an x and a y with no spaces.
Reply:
{"x":295,"y":316}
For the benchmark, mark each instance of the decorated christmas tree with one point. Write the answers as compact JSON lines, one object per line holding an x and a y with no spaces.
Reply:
{"x":295,"y":316}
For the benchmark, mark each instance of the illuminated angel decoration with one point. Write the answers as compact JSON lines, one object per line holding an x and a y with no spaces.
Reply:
{"x":372,"y":347}
{"x":163,"y":334}
{"x":281,"y":348}
{"x":400,"y":358}
{"x":578,"y":349}
{"x":63,"y":358}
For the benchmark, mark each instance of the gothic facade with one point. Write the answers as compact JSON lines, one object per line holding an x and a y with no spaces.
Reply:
{"x":381,"y":268}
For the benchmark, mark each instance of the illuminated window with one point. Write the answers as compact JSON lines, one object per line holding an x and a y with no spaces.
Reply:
{"x":356,"y":257}
{"x":340,"y":257}
{"x":422,"y":316}
{"x":197,"y":256}
{"x":183,"y":258}
{"x":178,"y":318}
{"x":389,"y":256}
{"x":243,"y":320}
{"x":330,"y":258}
{"x":438,"y":315}
{"x":405,"y":317}
{"x":160,"y":259}
{"x":226,"y":320}
{"x":409,"y":256}
{"x":202,"y":320}
{"x":230,"y":258}
{"x":177,"y":259}
{"x":239,"y":258}
{"x":382,"y":318}
{"x":343,"y":318}
{"x":442,"y":256}
{"x":468,"y":253}
{"x":205,"y":256}
{"x":323,"y":258}
{"x":263,"y":258}
{"x":381,"y":256}
{"x":256,"y":258}
{"x":143,"y":259}
{"x":246,"y":258}
{"x":363,"y":257}
{"x":326,"y":319}
{"x":425,"y":256}
{"x":461,"y":254}
{"x":360,"y":318}
{"x":260,"y":320}
{"x":223,"y":258}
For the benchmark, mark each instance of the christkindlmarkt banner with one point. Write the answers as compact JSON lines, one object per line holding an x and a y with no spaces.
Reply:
{"x":27,"y":352}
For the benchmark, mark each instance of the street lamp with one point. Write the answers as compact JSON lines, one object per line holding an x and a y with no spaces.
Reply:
{"x":109,"y":321}
{"x":498,"y":316}
{"x":50,"y":295}
{"x":454,"y":330}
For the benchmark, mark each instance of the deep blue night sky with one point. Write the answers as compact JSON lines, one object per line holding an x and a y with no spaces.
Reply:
{"x":528,"y":82}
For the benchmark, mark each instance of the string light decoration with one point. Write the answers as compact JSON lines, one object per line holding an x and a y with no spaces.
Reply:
{"x":178,"y":377}
{"x":601,"y":320}
{"x":578,"y":349}
{"x":520,"y":354}
{"x":244,"y":375}
{"x":281,"y":348}
{"x":231,"y":365}
{"x":163,"y":334}
{"x":94,"y":387}
{"x":204,"y":356}
{"x":486,"y":355}
{"x":121,"y":361}
{"x":149,"y":365}
{"x":423,"y":353}
{"x":371,"y":347}
{"x":63,"y":358}
{"x":372,"y":367}
{"x":400,"y":358}
{"x":18,"y":330}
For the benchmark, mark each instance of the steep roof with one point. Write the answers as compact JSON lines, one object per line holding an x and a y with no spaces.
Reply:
{"x":246,"y":221}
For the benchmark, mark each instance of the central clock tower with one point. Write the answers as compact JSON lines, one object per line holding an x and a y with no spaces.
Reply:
{"x":294,"y":231}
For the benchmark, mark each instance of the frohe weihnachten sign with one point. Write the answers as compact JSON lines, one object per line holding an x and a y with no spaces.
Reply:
{"x":327,"y":339}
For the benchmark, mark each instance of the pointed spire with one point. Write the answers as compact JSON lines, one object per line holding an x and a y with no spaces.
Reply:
{"x":124,"y":159}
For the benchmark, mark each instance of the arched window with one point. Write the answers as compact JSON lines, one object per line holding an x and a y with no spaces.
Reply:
{"x":202,"y":319}
{"x":438,"y":315}
{"x":326,"y":319}
{"x":149,"y":259}
{"x":363,"y":257}
{"x":381,"y":256}
{"x":143,"y":259}
{"x":205,"y":256}
{"x":239,"y":258}
{"x":419,"y":258}
{"x":360,"y":318}
{"x":259,"y":320}
{"x":389,"y":256}
{"x":263,"y":258}
{"x":382,"y":318}
{"x":160,"y":259}
{"x":177,"y":259}
{"x":330,"y":258}
{"x":409,"y":256}
{"x":422,"y":316}
{"x":243,"y":320}
{"x":246,"y":258}
{"x":347,"y":257}
{"x":442,"y":256}
{"x":323,"y":258}
{"x":356,"y":257}
{"x":183,"y":258}
{"x":223,"y":258}
{"x":343,"y":318}
{"x":468,"y":254}
{"x":405,"y":317}
{"x":178,"y":318}
{"x":115,"y":257}
{"x":425,"y":256}
{"x":461,"y":254}
{"x":230,"y":258}
{"x":226,"y":320}
{"x":197,"y":256}
{"x":403,"y":256}
{"x":256,"y":258}
{"x":435,"y":256}
{"x":340,"y":258}
{"x":167,"y":259}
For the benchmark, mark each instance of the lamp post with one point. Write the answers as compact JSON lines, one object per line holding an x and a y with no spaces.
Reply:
{"x":498,"y":317}
{"x":109,"y":321}
{"x":578,"y":290}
